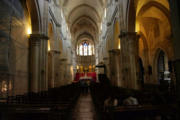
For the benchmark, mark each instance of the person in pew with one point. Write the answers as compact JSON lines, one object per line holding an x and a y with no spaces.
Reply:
{"x":109,"y":103}
{"x":130,"y":101}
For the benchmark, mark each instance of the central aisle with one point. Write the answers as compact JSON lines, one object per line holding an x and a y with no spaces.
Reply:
{"x":84,"y":110}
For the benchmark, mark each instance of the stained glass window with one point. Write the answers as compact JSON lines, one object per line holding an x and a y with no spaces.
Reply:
{"x":85,"y":49}
{"x":90,"y":50}
{"x":80,"y":50}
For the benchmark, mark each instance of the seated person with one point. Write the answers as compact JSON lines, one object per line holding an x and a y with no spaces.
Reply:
{"x":130,"y":101}
{"x":107,"y":102}
{"x":110,"y":102}
{"x":115,"y":102}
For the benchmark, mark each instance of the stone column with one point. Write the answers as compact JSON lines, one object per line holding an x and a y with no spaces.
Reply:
{"x":129,"y":58}
{"x":175,"y":18}
{"x":34,"y":43}
{"x":114,"y":66}
{"x":133,"y":56}
{"x":55,"y":67}
{"x":51,"y":69}
{"x":124,"y":60}
{"x":63,"y":68}
{"x":68,"y":73}
{"x":43,"y":86}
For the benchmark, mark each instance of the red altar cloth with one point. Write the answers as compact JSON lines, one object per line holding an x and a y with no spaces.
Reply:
{"x":93,"y":75}
{"x":90,"y":74}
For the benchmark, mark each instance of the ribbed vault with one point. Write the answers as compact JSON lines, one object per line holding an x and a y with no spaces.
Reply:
{"x":83,"y":18}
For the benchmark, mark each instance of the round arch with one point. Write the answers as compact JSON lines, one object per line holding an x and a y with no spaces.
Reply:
{"x":157,"y":5}
{"x":85,"y":17}
{"x":85,"y":34}
{"x":81,"y":6}
{"x":34,"y":12}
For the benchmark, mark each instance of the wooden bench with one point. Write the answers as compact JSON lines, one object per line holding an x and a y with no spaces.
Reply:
{"x":151,"y":101}
{"x":57,"y":103}
{"x":141,"y":112}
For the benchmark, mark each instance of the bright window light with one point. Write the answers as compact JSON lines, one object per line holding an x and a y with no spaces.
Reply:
{"x":49,"y":47}
{"x":85,"y":49}
{"x":29,"y":31}
{"x":105,"y":13}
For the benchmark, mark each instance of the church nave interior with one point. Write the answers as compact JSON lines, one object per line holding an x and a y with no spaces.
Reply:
{"x":89,"y":59}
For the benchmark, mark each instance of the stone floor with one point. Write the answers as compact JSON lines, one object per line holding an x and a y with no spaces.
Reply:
{"x":84,"y":110}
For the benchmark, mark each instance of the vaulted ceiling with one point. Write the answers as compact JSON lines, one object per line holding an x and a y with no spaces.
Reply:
{"x":83,"y":17}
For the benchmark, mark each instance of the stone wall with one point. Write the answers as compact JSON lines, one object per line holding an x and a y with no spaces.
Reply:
{"x":14,"y":44}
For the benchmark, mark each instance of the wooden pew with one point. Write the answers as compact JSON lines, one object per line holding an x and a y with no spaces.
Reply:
{"x":153,"y":103}
{"x":143,"y":112}
{"x":56,"y":103}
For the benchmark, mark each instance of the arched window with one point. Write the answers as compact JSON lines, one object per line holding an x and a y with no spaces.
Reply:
{"x":163,"y":67}
{"x":85,"y":49}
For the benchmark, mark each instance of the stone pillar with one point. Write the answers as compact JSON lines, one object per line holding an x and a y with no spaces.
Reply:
{"x":34,"y":43}
{"x":114,"y":66}
{"x":51,"y":69}
{"x":43,"y":86}
{"x":133,"y":56}
{"x":68,"y":73}
{"x":55,"y":67}
{"x":124,"y":60}
{"x":175,"y":18}
{"x":63,"y":68}
{"x":129,"y":58}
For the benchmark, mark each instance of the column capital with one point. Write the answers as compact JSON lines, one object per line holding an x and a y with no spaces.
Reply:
{"x":55,"y":51}
{"x":63,"y":59}
{"x":105,"y":58}
{"x":38,"y":36}
{"x":115,"y":51}
{"x":128,"y":34}
{"x":35,"y":39}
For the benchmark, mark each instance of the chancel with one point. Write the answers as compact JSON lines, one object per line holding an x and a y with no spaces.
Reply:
{"x":89,"y":59}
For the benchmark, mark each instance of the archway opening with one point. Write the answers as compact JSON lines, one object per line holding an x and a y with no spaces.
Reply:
{"x":141,"y":72}
{"x":163,"y":68}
